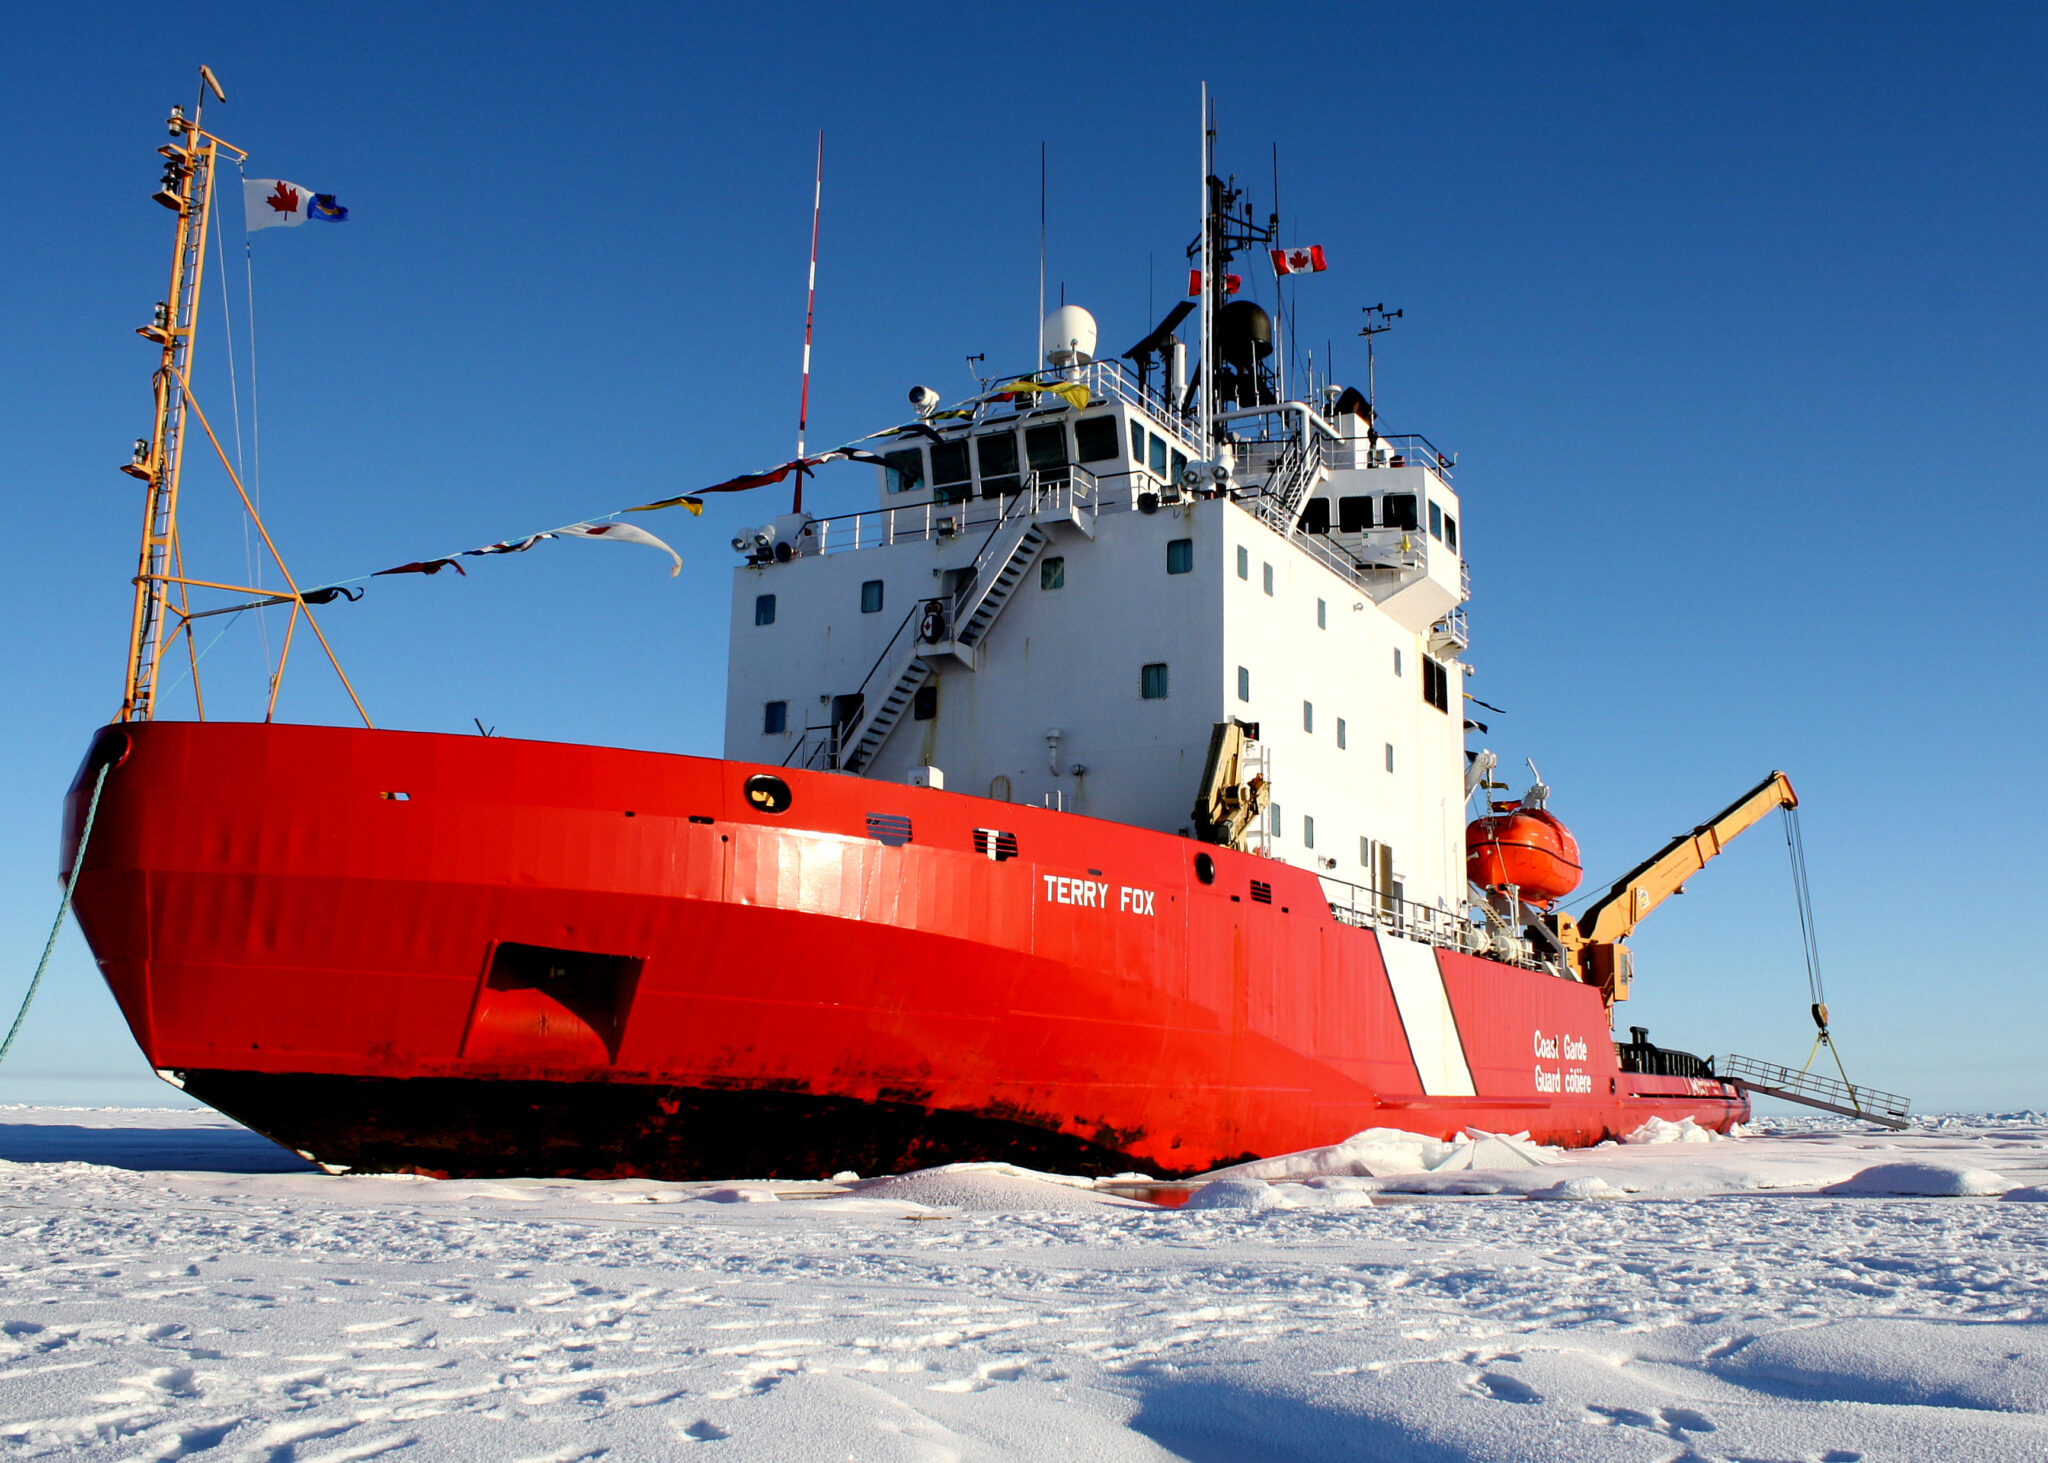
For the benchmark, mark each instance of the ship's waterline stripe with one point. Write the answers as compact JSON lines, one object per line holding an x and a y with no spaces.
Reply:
{"x":1425,"y":1007}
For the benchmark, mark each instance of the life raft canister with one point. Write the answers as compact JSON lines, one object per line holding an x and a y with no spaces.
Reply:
{"x":1525,"y":847}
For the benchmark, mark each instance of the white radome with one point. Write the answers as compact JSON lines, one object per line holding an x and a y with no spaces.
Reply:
{"x":1068,"y":336}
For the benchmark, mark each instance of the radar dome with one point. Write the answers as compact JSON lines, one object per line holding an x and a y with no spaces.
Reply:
{"x":1068,"y":336}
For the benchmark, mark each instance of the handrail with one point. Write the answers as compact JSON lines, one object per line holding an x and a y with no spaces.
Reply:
{"x":1816,"y":1089}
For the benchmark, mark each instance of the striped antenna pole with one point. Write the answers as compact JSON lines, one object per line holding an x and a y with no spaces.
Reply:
{"x":803,"y":407}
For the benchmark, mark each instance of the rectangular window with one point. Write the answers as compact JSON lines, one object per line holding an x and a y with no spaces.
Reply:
{"x":996,"y":456}
{"x":904,"y":471}
{"x":1365,"y":852}
{"x":1450,"y":533}
{"x":1308,"y":716}
{"x":1436,"y":520}
{"x":1179,"y":464}
{"x":1436,"y":683}
{"x":1340,"y":733}
{"x":1397,"y":660}
{"x":1269,"y":579}
{"x":1354,"y":515}
{"x":1398,"y":511}
{"x":1158,"y":459}
{"x":1137,"y":443}
{"x":1244,"y":684}
{"x":1390,"y":756}
{"x":924,"y":703}
{"x":1244,"y":562}
{"x":1095,"y":439}
{"x":1180,"y":556}
{"x":1045,"y":448}
{"x":764,"y":609}
{"x":1152,"y":682}
{"x":1308,"y":831}
{"x":1315,"y":516}
{"x":950,"y":474}
{"x":871,"y":597}
{"x":1273,"y":820}
{"x":1322,"y":615}
{"x":1052,"y":573}
{"x":775,"y":718}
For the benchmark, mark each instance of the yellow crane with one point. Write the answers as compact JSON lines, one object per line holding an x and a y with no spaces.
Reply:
{"x":1593,"y":943}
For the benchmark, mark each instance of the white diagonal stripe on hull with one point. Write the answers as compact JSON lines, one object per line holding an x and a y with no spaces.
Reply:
{"x":1425,"y":1007}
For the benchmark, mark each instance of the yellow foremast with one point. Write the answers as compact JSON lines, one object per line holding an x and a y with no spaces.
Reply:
{"x":161,"y":586}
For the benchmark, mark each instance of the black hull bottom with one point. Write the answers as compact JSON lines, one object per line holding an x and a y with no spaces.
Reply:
{"x":460,"y":1128}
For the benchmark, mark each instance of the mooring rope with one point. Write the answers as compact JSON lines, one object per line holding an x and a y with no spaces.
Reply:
{"x":63,"y":908}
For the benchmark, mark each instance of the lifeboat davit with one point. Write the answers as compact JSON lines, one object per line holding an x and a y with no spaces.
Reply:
{"x":1525,"y":847}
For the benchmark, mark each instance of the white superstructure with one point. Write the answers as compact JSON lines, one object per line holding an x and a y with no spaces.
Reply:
{"x":1058,"y":603}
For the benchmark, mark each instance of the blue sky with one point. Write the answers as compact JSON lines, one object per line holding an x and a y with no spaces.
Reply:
{"x":1734,"y":315}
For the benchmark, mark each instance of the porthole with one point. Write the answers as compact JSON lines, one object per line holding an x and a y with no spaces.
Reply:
{"x":1205,"y":868}
{"x":768,"y":793}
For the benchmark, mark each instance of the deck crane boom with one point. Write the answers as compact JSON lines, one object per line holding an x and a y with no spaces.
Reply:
{"x":1593,"y":944}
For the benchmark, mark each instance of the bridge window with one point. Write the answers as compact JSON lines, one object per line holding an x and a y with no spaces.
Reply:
{"x":1095,"y":438}
{"x":950,"y":474}
{"x":775,"y":718}
{"x":1137,"y":442}
{"x":764,"y":609}
{"x":904,"y":471}
{"x":996,"y":456}
{"x":1450,"y":533}
{"x":1180,"y":556}
{"x":1052,"y":573}
{"x":1398,"y":511}
{"x":1315,"y":516}
{"x":1158,"y":458}
{"x":1436,"y":521}
{"x":871,"y":597}
{"x":1045,"y":447}
{"x":1354,"y":515}
{"x":1179,"y":464}
{"x":1152,"y":682}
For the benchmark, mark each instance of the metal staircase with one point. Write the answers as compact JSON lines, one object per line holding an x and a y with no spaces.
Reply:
{"x":1815,"y":1089}
{"x":962,"y":622}
{"x":1292,"y":480}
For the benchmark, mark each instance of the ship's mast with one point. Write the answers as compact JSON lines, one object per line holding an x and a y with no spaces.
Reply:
{"x":187,"y":189}
{"x":1203,"y":372}
{"x":191,"y":161}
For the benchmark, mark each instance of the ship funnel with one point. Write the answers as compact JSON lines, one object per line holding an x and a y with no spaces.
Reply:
{"x":1068,"y":337}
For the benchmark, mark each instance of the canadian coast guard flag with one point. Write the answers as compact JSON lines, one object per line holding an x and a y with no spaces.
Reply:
{"x":1299,"y":261}
{"x":269,"y":202}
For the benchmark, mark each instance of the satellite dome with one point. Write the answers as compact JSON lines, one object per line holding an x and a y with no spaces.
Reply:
{"x":1068,"y":336}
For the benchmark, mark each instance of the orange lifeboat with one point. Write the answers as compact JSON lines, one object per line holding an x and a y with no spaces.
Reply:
{"x":1525,"y":847}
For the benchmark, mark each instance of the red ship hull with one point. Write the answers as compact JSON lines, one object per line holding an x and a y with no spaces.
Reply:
{"x":479,"y":956}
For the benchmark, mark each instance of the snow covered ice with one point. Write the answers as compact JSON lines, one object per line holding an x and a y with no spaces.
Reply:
{"x":172,"y":1287}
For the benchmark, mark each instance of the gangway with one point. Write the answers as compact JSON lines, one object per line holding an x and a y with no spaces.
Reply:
{"x":1815,"y":1089}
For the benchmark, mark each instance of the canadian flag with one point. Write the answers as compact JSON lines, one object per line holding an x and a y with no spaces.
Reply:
{"x":1232,"y":283}
{"x":271,"y":203}
{"x":1308,"y":260}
